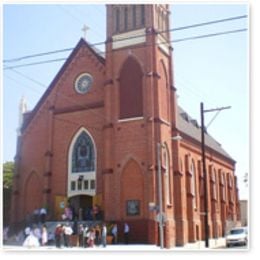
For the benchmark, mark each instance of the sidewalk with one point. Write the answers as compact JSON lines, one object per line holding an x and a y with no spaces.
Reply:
{"x":198,"y":246}
{"x":213,"y":244}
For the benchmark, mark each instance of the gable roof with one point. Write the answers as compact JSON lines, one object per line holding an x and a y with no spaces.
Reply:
{"x":185,"y":123}
{"x":191,"y":128}
{"x":80,"y":44}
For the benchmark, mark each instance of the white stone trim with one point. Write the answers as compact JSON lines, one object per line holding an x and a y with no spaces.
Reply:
{"x":163,"y":44}
{"x":130,"y":119}
{"x":128,"y":38}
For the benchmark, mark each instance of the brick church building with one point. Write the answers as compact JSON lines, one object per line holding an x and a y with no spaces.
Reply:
{"x":92,"y":139}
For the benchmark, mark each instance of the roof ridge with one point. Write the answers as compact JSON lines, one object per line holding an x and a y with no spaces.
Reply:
{"x":65,"y":65}
{"x":193,"y":131}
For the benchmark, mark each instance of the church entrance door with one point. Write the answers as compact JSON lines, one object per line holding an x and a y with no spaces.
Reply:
{"x":82,"y":206}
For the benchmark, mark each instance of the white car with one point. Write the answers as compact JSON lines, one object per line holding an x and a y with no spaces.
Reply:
{"x":237,"y":236}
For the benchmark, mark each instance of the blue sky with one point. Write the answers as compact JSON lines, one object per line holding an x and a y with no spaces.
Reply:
{"x":213,"y":70}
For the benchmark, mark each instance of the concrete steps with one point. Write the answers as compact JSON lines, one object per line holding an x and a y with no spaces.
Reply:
{"x":18,"y":238}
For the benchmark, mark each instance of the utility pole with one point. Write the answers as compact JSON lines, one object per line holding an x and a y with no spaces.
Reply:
{"x":202,"y":111}
{"x":160,"y":195}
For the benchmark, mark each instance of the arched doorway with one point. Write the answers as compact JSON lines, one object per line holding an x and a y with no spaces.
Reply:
{"x":81,"y":191}
{"x":82,"y":207}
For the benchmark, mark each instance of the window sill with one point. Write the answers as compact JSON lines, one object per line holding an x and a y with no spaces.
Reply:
{"x":130,"y":119}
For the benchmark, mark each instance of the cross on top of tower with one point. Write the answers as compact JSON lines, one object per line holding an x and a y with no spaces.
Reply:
{"x":85,"y":29}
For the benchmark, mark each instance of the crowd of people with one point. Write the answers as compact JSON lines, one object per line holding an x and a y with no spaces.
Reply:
{"x":89,"y":213}
{"x":71,"y":231}
{"x":84,"y":236}
{"x":37,"y":236}
{"x":36,"y":217}
{"x":66,"y":235}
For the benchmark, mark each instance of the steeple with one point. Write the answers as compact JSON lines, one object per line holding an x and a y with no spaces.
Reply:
{"x":22,"y":110}
{"x":138,"y":39}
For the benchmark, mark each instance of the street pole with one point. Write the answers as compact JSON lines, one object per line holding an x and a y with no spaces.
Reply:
{"x":160,"y":195}
{"x":206,"y":227}
{"x":202,"y":111}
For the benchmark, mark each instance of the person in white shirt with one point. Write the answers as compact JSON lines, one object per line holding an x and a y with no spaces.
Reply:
{"x":44,"y":235}
{"x":37,"y":232}
{"x":85,"y":235}
{"x":67,"y":233}
{"x":43,"y":213}
{"x":27,"y":231}
{"x":114,"y":234}
{"x":104,"y":235}
{"x":126,"y":233}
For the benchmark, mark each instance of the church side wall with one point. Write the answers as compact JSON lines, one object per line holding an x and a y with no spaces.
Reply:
{"x":189,"y":220}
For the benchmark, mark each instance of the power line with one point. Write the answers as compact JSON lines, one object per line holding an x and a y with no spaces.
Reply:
{"x":29,"y":78}
{"x":184,"y":90}
{"x":38,"y":55}
{"x":132,"y":37}
{"x":208,"y":23}
{"x":160,"y":43}
{"x":34,"y":63}
{"x":209,"y":35}
{"x":61,"y":95}
{"x":71,"y":14}
{"x":16,"y":81}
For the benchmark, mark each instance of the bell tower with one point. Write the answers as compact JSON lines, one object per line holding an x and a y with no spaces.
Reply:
{"x":141,"y":34}
{"x":140,"y":110}
{"x":123,"y":19}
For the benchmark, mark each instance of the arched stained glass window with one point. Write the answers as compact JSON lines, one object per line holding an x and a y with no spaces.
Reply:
{"x":83,"y":156}
{"x":193,"y":184}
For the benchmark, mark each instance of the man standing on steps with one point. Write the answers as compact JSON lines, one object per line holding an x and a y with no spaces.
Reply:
{"x":67,"y":234}
{"x":114,"y":234}
{"x":104,"y":235}
{"x":126,"y":233}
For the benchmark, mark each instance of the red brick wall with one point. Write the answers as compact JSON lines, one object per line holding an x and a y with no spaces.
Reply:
{"x":185,"y":212}
{"x":126,"y":150}
{"x":46,"y":139}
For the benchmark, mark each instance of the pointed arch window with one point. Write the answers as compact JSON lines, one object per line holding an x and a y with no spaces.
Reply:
{"x":131,"y":90}
{"x":126,"y":18}
{"x":134,"y":16}
{"x":193,"y":184}
{"x":223,"y":187}
{"x":142,"y":15}
{"x":214,"y":185}
{"x":167,"y":179}
{"x":117,"y":20}
{"x":83,"y":155}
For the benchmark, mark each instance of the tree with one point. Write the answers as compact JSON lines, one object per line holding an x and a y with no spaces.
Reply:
{"x":8,"y":172}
